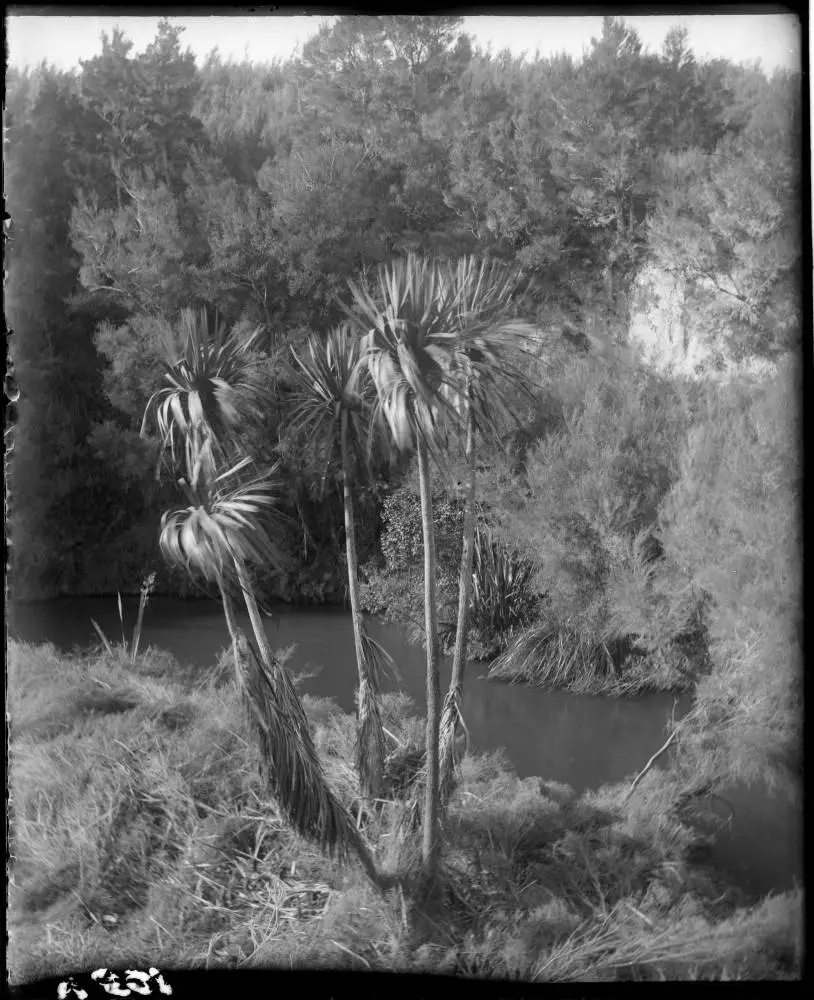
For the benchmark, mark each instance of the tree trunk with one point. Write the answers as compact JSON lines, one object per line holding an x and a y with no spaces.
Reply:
{"x":452,"y":702}
{"x":350,"y":548}
{"x":370,"y":739}
{"x":431,"y":844}
{"x":229,"y":614}
{"x":254,"y":614}
{"x":231,"y":624}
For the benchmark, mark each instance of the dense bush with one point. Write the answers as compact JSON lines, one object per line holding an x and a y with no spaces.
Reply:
{"x":394,"y":587}
{"x":733,"y":523}
{"x":585,"y":510}
{"x":502,"y":597}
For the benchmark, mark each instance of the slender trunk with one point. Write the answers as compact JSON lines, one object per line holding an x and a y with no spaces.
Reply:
{"x":350,"y":550}
{"x":229,"y":615}
{"x":431,"y":843}
{"x":370,"y":739}
{"x":452,"y":702}
{"x":231,"y":625}
{"x":379,"y":880}
{"x":254,"y":614}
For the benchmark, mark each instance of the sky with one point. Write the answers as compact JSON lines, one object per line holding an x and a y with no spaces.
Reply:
{"x":63,"y":40}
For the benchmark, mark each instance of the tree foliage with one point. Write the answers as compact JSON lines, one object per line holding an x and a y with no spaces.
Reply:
{"x":259,"y":190}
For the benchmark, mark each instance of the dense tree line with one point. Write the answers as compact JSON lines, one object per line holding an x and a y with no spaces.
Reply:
{"x":143,"y":184}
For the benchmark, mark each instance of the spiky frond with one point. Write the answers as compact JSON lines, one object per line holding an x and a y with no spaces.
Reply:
{"x":492,"y":353}
{"x":331,"y":384}
{"x":434,"y":332}
{"x":231,"y":515}
{"x":214,"y":387}
{"x":557,"y":657}
{"x":408,"y":330}
{"x":502,"y":597}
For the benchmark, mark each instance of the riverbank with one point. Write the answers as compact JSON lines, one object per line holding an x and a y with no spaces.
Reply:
{"x":139,"y":836}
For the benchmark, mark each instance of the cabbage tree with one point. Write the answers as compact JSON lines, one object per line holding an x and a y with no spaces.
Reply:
{"x":333,"y":409}
{"x":408,"y":334}
{"x":214,"y":386}
{"x":492,"y":375}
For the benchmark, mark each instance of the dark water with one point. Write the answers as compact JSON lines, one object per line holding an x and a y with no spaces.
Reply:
{"x":580,"y":740}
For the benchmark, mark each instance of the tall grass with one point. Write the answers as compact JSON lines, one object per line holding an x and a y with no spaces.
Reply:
{"x":561,"y":658}
{"x":140,"y":835}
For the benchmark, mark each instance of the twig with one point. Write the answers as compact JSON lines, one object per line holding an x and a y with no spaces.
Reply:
{"x":349,"y":952}
{"x":108,"y":288}
{"x":664,"y":747}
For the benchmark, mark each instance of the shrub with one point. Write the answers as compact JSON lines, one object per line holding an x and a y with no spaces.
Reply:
{"x":732,"y":523}
{"x":586,"y":515}
{"x":502,"y":596}
{"x":395,"y":589}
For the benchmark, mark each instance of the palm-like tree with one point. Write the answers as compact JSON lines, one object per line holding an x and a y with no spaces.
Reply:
{"x":408,"y":329}
{"x":223,"y":529}
{"x":442,"y":352}
{"x":491,"y":356}
{"x":333,"y":412}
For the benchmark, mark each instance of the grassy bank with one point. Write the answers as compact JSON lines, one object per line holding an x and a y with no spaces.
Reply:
{"x":139,"y":837}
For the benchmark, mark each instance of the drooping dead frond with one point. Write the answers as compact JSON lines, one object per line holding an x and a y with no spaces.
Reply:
{"x":290,"y":762}
{"x":451,"y":718}
{"x":370,"y":746}
{"x":379,"y":661}
{"x":369,"y":741}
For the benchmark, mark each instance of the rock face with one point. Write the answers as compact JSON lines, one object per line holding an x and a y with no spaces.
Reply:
{"x":665,"y":328}
{"x":661,"y":325}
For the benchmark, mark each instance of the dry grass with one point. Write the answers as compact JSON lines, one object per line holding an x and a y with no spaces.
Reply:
{"x":140,"y":835}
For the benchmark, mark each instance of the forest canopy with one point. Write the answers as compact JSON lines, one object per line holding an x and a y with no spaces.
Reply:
{"x":144,"y":184}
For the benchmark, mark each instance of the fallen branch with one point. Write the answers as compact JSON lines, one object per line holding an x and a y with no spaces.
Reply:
{"x":664,"y":747}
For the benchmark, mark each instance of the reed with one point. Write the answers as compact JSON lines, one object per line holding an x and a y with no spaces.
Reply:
{"x":129,"y":650}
